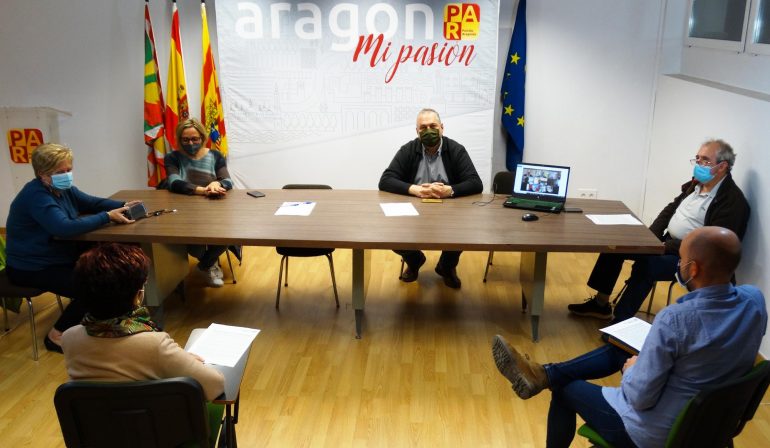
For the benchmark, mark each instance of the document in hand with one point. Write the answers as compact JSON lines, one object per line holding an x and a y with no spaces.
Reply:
{"x":223,"y":344}
{"x":629,"y":334}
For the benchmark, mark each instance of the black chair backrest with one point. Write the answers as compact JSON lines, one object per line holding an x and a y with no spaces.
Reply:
{"x":306,"y":187}
{"x":158,"y":413}
{"x":716,"y":415}
{"x":503,"y":183}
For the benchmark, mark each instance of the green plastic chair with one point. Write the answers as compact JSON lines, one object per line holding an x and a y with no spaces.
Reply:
{"x":714,"y":416}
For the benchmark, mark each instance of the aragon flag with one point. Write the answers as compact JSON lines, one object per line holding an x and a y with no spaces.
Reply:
{"x":154,"y":130}
{"x":176,"y":109}
{"x":211,"y":101}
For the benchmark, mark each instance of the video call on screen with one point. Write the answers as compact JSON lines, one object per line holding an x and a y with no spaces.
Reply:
{"x":540,"y":180}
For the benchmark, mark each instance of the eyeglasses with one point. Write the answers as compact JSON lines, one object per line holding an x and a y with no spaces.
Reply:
{"x":702,"y":162}
{"x":192,"y":140}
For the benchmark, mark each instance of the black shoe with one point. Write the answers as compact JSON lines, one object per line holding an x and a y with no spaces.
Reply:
{"x":591,"y":308}
{"x":52,"y":346}
{"x":412,"y":272}
{"x":450,"y":276}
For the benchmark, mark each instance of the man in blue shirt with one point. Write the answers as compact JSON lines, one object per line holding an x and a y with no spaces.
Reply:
{"x":711,"y":335}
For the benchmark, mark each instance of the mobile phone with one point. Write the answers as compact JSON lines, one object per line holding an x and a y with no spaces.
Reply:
{"x":136,"y":211}
{"x":256,"y":194}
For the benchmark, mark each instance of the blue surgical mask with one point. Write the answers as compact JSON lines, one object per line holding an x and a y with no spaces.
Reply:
{"x":678,"y":276}
{"x":702,"y":173}
{"x":62,"y":181}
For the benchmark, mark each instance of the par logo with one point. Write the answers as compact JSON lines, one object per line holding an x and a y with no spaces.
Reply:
{"x":461,"y":21}
{"x":21,"y":142}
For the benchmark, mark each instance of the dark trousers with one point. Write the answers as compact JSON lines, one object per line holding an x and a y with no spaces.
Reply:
{"x":207,"y":255}
{"x":647,"y":270}
{"x":572,"y":395}
{"x":448,"y":259}
{"x":58,"y":280}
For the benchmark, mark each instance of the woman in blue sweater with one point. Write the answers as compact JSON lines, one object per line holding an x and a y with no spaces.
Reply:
{"x":46,"y":211}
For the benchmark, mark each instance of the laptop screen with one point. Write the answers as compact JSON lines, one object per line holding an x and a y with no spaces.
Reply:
{"x":544,"y":182}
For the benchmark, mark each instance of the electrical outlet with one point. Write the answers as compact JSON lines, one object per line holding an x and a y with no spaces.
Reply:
{"x":587,"y":193}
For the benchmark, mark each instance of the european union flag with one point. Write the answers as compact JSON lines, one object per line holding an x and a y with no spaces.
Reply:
{"x":512,"y":89}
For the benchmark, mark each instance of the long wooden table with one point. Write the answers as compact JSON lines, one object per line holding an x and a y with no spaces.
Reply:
{"x":352,"y":219}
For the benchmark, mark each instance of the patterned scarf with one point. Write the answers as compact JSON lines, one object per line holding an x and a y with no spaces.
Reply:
{"x":117,"y":327}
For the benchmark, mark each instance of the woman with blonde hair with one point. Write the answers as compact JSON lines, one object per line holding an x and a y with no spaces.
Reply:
{"x":47,"y":210}
{"x":198,"y":170}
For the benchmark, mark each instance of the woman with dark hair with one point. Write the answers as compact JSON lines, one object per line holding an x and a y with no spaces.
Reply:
{"x":117,"y":340}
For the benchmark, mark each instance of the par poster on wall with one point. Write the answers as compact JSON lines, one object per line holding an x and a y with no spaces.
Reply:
{"x":327,"y":91}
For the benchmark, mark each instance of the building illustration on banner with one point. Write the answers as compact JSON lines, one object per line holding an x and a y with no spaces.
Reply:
{"x":320,"y":76}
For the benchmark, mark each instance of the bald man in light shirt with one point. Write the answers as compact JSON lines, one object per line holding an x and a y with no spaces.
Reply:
{"x":710,"y":198}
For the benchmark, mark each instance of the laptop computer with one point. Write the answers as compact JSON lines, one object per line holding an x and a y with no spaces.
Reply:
{"x":539,"y":187}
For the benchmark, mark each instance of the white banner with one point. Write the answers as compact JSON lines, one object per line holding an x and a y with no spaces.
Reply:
{"x":327,"y":91}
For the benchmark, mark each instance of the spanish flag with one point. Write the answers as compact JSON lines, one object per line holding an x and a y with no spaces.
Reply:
{"x":153,"y":107}
{"x":211,"y":104}
{"x":177,"y":108}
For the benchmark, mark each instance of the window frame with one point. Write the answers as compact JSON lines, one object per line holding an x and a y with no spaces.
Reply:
{"x":752,"y":46}
{"x":719,"y":44}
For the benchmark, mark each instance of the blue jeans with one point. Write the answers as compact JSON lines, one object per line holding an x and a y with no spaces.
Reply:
{"x":572,"y":396}
{"x":647,"y":270}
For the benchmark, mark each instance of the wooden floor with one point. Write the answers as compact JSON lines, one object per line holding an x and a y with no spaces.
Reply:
{"x":421,"y":376}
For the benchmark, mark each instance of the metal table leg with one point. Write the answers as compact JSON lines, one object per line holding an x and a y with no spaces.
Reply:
{"x":361,"y":263}
{"x":532,"y":276}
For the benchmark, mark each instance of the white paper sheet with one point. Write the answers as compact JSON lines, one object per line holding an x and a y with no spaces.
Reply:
{"x":295,"y":208}
{"x":398,"y":209}
{"x":631,"y":332}
{"x":223,"y":344}
{"x":614,"y":220}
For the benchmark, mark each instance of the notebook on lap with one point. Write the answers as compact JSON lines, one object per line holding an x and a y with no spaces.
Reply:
{"x":539,"y":187}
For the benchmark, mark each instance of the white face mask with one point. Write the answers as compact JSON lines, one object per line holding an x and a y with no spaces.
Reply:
{"x":678,"y":276}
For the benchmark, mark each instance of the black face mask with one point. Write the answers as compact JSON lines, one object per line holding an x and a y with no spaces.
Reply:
{"x":191,"y":149}
{"x":430,"y":137}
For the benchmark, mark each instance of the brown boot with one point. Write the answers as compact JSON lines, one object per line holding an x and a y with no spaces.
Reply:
{"x":528,"y":378}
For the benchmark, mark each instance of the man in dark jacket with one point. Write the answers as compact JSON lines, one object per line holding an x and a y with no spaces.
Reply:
{"x":711,"y":198}
{"x":431,"y":166}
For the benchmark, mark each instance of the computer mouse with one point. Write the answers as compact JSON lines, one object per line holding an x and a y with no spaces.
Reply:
{"x":529,"y":217}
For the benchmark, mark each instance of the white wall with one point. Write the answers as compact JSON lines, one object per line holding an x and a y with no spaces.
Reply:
{"x":686,"y":112}
{"x":728,"y":67}
{"x":87,"y":57}
{"x":591,"y":72}
{"x":720,"y":94}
